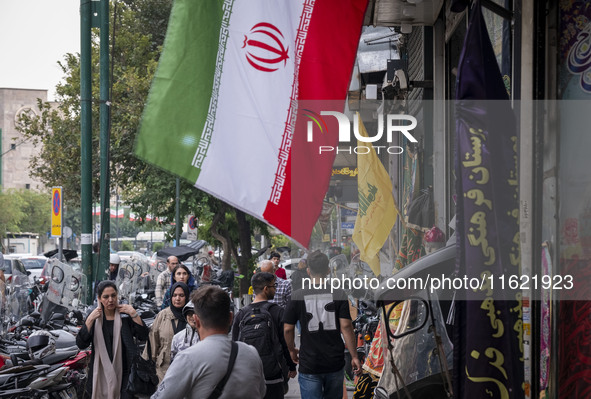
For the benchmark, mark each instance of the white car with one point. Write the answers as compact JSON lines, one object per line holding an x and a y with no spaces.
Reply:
{"x":13,"y":267}
{"x":34,"y":264}
{"x":290,"y":265}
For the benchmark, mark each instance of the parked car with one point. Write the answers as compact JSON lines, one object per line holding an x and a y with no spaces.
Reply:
{"x":425,"y":378}
{"x":34,"y":264}
{"x":14,"y":267}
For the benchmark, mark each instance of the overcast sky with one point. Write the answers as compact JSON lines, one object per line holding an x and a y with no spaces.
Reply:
{"x":34,"y":36}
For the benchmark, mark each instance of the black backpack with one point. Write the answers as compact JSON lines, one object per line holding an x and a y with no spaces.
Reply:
{"x":258,"y":329}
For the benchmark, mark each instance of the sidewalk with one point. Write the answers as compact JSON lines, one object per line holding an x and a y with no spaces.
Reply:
{"x":294,"y":390}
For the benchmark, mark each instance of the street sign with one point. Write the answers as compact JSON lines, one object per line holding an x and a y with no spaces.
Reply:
{"x":192,"y":230}
{"x":56,"y":211}
{"x":348,"y":225}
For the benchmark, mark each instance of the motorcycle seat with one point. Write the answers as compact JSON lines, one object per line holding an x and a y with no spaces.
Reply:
{"x":60,"y":356}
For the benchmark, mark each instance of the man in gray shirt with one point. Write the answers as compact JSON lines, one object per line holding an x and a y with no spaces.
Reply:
{"x":163,"y":280}
{"x":197,"y":370}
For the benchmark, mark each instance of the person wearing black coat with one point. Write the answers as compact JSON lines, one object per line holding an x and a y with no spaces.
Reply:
{"x":111,"y":329}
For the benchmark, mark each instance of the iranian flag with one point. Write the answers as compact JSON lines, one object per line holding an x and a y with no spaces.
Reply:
{"x":117,"y":213}
{"x":226,"y":107}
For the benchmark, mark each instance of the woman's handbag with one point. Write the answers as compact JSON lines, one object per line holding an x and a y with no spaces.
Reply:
{"x":142,"y":377}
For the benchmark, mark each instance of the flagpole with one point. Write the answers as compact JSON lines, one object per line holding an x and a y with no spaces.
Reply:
{"x":86,"y":143}
{"x":178,"y":212}
{"x":117,"y":211}
{"x":339,"y":226}
{"x":331,"y":230}
{"x":104,"y":137}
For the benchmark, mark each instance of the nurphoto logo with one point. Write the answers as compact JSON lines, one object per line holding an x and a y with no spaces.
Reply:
{"x":394,"y":123}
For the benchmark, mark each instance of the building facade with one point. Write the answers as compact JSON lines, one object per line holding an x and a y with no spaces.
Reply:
{"x":15,"y":151}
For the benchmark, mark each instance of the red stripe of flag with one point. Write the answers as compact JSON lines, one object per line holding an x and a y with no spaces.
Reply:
{"x":324,"y":74}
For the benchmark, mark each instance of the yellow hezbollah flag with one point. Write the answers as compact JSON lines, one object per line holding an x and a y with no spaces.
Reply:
{"x":377,"y":211}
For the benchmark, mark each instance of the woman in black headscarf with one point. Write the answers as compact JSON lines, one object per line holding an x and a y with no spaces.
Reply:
{"x":168,"y":322}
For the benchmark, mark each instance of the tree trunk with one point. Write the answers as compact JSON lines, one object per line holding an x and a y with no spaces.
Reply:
{"x":218,"y":220}
{"x":245,"y":258}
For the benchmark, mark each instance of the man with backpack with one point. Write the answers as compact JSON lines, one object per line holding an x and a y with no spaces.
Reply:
{"x":260,"y":325}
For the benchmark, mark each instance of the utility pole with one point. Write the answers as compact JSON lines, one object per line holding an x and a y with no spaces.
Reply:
{"x":105,"y":107}
{"x":86,"y":144}
{"x":117,"y":213}
{"x":178,"y":213}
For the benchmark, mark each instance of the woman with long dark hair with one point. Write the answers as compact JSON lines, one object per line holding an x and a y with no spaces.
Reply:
{"x":167,"y":323}
{"x":110,"y":328}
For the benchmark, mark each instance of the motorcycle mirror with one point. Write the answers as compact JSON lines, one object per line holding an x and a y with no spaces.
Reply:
{"x":418,"y":316}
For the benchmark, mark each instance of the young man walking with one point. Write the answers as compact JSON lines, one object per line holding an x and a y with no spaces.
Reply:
{"x":324,"y":316}
{"x":260,"y":325}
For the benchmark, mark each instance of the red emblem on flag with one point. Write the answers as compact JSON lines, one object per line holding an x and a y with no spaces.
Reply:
{"x":265,"y":47}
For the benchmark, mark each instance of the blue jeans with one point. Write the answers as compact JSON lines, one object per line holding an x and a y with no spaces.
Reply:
{"x":322,"y":386}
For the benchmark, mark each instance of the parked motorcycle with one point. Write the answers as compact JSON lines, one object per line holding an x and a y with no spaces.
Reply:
{"x":365,"y":326}
{"x":46,"y":367}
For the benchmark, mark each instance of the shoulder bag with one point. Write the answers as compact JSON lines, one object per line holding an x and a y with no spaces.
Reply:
{"x":142,"y":377}
{"x":219,"y":388}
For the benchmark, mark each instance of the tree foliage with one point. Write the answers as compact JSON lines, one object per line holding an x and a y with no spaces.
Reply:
{"x":24,"y":211}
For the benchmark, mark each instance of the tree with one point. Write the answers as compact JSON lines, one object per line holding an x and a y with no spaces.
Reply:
{"x":11,"y":214}
{"x":37,"y":208}
{"x":139,"y":28}
{"x":24,"y":211}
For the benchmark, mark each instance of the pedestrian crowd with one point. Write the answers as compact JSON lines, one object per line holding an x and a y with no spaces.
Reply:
{"x":201,"y":349}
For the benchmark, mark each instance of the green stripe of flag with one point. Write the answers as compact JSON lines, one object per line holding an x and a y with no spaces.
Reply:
{"x":179,"y":99}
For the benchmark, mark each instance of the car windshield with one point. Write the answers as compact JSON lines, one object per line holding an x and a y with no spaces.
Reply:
{"x":33,"y":263}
